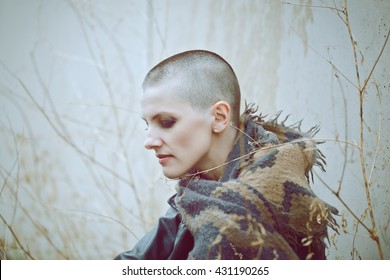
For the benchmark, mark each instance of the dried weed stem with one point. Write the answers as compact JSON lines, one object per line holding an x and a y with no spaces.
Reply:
{"x":361,"y":90}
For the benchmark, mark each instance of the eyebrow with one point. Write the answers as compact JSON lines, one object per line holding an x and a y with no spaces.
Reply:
{"x":158,"y":115}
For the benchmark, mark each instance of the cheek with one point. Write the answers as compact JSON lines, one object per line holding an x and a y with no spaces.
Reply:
{"x":194,"y":140}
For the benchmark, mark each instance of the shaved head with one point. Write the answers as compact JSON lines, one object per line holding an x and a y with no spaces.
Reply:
{"x":203,"y":78}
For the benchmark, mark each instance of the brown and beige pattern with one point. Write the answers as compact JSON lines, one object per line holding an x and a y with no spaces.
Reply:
{"x":263,"y":207}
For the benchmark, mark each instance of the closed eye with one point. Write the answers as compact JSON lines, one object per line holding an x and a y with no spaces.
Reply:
{"x":167,"y":123}
{"x":162,"y":121}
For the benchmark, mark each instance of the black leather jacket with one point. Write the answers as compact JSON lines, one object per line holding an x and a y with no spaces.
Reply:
{"x":169,"y":240}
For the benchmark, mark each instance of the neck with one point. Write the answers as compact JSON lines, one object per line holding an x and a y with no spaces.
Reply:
{"x":219,"y":153}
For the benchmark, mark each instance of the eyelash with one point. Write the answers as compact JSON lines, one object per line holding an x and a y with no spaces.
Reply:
{"x":164,"y":124}
{"x":167,"y":123}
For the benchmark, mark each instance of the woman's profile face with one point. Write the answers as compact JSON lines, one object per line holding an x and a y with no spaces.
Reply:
{"x":180,"y":135}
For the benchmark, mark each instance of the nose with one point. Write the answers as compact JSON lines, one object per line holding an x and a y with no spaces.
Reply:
{"x":152,"y":141}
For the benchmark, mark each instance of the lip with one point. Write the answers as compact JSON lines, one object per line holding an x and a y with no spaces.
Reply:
{"x":163,"y":158}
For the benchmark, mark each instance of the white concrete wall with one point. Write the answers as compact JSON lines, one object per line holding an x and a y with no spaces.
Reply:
{"x":75,"y":180}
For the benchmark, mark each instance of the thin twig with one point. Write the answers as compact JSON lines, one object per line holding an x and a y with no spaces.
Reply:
{"x":342,"y":201}
{"x":376,"y":61}
{"x":104,"y":74}
{"x":378,"y":136}
{"x":373,"y":232}
{"x":312,"y":6}
{"x":103,"y":216}
{"x":60,"y":134}
{"x":16,"y":238}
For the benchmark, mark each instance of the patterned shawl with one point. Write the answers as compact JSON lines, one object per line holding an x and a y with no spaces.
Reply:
{"x":263,"y":207}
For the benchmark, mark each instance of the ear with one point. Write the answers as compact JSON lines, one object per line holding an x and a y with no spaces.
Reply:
{"x":221,"y":114}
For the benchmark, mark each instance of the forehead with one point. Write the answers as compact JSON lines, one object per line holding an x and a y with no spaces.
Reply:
{"x":163,"y":97}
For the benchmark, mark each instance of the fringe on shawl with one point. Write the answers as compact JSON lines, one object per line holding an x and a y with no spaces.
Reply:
{"x":293,"y":133}
{"x":285,"y":134}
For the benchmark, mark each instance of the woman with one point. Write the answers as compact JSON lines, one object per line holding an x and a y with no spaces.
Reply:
{"x":243,"y":190}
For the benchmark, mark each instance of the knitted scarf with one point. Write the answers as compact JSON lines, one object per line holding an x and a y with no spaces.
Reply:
{"x":263,"y":207}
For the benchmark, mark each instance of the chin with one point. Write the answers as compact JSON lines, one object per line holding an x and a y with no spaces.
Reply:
{"x":173,"y":175}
